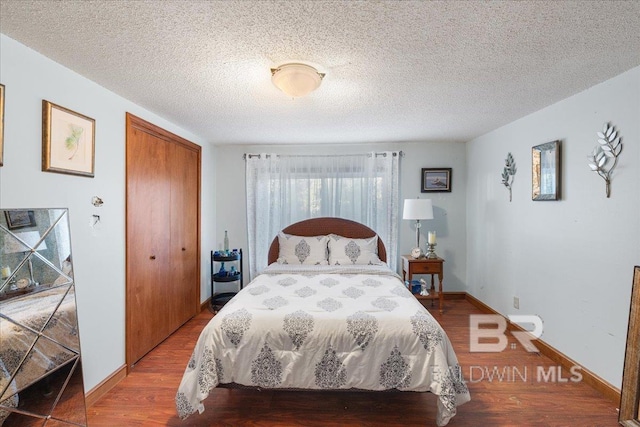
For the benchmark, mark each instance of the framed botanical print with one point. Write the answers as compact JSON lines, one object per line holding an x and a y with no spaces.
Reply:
{"x":435,"y":180}
{"x":68,"y":141}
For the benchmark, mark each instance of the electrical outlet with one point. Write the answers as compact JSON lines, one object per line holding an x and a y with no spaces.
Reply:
{"x":516,"y":303}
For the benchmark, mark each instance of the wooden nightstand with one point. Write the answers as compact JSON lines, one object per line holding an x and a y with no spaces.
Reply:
{"x":432,"y":266}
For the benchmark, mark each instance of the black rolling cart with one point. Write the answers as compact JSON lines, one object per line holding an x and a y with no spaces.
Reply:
{"x":225,"y":268}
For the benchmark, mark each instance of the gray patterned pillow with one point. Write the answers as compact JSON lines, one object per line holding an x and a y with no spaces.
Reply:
{"x":309,"y":250}
{"x":347,"y":251}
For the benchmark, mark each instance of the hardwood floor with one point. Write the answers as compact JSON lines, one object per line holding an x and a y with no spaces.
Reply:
{"x":145,"y":397}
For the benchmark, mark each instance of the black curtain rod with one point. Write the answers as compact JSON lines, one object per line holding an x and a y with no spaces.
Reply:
{"x":394,"y":153}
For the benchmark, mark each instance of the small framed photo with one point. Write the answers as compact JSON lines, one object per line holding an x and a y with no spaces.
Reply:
{"x":436,"y":180}
{"x":20,"y":219}
{"x":1,"y":124}
{"x":68,"y":141}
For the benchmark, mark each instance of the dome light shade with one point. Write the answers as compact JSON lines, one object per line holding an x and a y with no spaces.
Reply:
{"x":296,"y":79}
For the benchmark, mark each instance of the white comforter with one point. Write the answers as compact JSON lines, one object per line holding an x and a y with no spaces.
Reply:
{"x":322,"y":327}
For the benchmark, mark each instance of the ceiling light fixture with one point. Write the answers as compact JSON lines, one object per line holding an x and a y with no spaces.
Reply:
{"x":296,"y":79}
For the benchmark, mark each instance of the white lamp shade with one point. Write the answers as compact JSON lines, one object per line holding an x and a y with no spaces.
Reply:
{"x":295,"y":79}
{"x":417,"y":209}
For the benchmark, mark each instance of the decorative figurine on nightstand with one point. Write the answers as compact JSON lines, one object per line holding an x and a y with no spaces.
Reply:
{"x":423,"y":288}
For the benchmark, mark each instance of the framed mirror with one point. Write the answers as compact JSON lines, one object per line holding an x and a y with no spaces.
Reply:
{"x":630,"y":394}
{"x":41,"y":380}
{"x":545,"y":166}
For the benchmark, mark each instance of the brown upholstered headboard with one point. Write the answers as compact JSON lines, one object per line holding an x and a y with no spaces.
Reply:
{"x":327,"y":225}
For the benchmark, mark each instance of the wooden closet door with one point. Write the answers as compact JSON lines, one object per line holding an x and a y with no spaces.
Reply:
{"x":184,"y":232}
{"x":148,"y":237}
{"x":163,"y":229}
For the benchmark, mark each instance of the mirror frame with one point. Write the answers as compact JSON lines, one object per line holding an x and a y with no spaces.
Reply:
{"x":536,"y":173}
{"x":631,"y":373}
{"x":40,"y":306}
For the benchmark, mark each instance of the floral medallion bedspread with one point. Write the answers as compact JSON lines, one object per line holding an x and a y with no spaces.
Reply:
{"x":322,"y":327}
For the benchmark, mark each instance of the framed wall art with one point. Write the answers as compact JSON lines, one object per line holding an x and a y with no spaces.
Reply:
{"x":19,"y":219}
{"x":1,"y":124}
{"x":68,"y":141}
{"x":545,"y":167}
{"x":435,"y":180}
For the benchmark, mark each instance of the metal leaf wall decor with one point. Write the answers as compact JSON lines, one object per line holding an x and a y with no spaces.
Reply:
{"x":604,"y":157}
{"x":509,"y":172}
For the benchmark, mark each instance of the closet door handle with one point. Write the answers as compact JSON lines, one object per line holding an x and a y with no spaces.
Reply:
{"x":152,"y":257}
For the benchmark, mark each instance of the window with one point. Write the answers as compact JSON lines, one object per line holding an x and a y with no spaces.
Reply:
{"x":282,"y":190}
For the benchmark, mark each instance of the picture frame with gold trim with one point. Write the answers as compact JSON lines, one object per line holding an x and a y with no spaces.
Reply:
{"x":68,"y":141}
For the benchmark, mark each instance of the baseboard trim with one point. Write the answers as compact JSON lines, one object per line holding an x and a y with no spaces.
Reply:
{"x":93,"y":395}
{"x":603,"y":387}
{"x":205,"y":305}
{"x":105,"y":385}
{"x":454,"y":295}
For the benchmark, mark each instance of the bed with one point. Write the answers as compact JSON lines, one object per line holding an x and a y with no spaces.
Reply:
{"x":326,"y":314}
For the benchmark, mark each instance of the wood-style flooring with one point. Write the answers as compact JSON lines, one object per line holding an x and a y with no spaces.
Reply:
{"x":146,"y":396}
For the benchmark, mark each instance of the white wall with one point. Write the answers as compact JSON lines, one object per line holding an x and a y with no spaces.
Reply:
{"x":99,"y":255}
{"x":449,"y":208}
{"x":569,"y":261}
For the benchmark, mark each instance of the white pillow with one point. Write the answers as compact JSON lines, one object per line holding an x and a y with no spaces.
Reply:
{"x":348,"y":251}
{"x":309,"y":250}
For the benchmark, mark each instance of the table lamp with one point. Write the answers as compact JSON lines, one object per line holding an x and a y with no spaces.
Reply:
{"x":417,"y":209}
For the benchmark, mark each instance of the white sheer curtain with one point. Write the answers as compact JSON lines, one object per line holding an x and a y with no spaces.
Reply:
{"x":282,"y":190}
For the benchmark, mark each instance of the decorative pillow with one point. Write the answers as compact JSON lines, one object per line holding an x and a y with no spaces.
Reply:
{"x":347,"y":251}
{"x":309,"y":250}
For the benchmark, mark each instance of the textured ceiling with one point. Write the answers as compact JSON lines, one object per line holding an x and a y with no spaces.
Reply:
{"x":395,"y":70}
